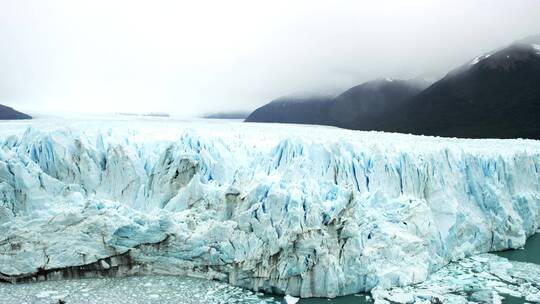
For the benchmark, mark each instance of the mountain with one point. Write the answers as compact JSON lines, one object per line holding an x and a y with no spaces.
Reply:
{"x":363,"y":107}
{"x":9,"y":113}
{"x":302,"y":109}
{"x":360,"y":107}
{"x":496,"y":95}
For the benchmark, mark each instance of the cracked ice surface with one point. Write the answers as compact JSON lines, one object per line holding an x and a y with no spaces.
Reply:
{"x":302,"y":210}
{"x":484,"y":278}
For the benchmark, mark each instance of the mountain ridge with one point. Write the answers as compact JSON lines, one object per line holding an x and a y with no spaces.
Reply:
{"x":494,"y":95}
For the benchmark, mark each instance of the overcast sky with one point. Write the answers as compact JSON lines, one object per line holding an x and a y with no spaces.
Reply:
{"x":191,"y":57}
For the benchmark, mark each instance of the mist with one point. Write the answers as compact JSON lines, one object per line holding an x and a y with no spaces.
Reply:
{"x":189,"y":58}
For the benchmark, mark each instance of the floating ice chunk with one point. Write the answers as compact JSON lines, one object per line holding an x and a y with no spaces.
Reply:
{"x":46,"y":294}
{"x":290,"y":299}
{"x":486,"y":296}
{"x":166,"y":289}
{"x":477,"y":279}
{"x":402,"y":297}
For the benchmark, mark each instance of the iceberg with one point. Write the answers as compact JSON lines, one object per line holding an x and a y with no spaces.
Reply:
{"x":304,"y":211}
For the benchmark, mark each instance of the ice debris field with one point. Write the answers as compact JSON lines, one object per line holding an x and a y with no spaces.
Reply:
{"x":129,"y":290}
{"x":300,"y":210}
{"x":479,"y":279}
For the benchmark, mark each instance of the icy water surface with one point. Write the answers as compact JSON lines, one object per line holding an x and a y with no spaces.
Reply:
{"x":473,"y":278}
{"x":130,"y":290}
{"x":530,"y":254}
{"x":509,"y":277}
{"x":144,"y":289}
{"x":354,"y":299}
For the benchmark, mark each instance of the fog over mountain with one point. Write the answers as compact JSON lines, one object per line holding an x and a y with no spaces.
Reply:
{"x":495,"y":95}
{"x":191,"y":58}
{"x":360,"y":107}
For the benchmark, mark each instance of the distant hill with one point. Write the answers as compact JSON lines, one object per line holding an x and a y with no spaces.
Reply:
{"x":302,"y":109}
{"x":227,"y":115}
{"x":496,"y":95}
{"x":357,"y":108}
{"x":9,"y":113}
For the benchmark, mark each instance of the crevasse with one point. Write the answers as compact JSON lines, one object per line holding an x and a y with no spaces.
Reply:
{"x":333,"y":213}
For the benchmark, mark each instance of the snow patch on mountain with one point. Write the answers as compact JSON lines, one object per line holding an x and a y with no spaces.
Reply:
{"x":479,"y":58}
{"x":475,"y":60}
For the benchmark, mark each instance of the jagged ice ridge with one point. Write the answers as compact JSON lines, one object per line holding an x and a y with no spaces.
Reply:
{"x":299,"y":210}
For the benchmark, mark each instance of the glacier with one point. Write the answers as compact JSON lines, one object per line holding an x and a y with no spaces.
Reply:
{"x":306,"y":211}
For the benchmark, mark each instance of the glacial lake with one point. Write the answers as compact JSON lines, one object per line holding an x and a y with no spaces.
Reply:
{"x":530,"y":254}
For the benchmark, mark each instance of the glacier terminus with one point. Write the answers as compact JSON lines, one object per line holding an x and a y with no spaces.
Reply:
{"x":305,"y":211}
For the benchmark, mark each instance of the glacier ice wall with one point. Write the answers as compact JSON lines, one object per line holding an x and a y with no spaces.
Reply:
{"x":333,"y":213}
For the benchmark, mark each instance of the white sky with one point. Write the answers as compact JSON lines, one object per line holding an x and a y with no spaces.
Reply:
{"x":191,"y":57}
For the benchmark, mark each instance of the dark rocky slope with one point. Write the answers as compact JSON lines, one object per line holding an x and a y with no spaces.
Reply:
{"x":9,"y":113}
{"x":294,"y":109}
{"x":366,"y":106}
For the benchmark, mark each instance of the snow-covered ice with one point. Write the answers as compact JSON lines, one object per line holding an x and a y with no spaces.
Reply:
{"x":299,"y":210}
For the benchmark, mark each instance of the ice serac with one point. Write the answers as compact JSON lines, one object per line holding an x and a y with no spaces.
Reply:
{"x":330,"y":213}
